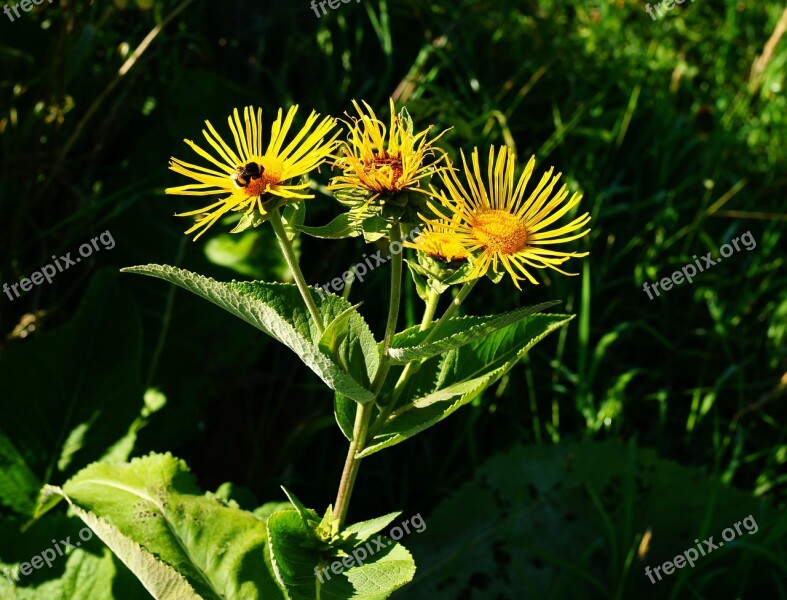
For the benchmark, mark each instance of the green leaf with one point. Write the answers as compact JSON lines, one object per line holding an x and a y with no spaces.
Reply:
{"x":305,"y":572}
{"x":69,"y":407}
{"x":343,"y":226}
{"x":18,"y":482}
{"x":253,"y":253}
{"x":406,"y":120}
{"x":461,"y":275}
{"x":555,"y":506}
{"x":360,"y":532}
{"x":348,"y":348}
{"x":179,"y":543}
{"x":121,"y":450}
{"x":292,"y":217}
{"x":408,"y":345}
{"x":278,"y":310}
{"x":83,"y":575}
{"x":249,"y":221}
{"x":375,"y":228}
{"x":266,"y":510}
{"x":419,"y":279}
{"x":344,"y":410}
{"x":308,"y":515}
{"x":462,"y":375}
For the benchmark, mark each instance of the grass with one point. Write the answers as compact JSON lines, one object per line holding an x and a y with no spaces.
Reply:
{"x":675,"y":142}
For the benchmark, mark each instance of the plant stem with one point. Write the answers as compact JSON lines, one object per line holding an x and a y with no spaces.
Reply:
{"x":364,"y":412}
{"x":404,"y":377}
{"x":412,"y":367}
{"x":451,"y":310}
{"x":295,"y":269}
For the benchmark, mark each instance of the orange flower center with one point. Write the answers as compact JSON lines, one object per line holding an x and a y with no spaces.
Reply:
{"x":499,"y":231}
{"x":385,"y":161}
{"x":255,"y":177}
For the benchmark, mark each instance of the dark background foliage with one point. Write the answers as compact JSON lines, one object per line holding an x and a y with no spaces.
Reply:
{"x":672,"y":129}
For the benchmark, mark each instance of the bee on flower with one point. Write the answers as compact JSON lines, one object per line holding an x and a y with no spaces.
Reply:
{"x":251,"y":175}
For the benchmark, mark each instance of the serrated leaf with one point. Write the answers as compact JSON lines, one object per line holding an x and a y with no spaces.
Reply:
{"x":301,"y":568}
{"x":278,"y":310}
{"x":463,"y":374}
{"x":161,"y":580}
{"x":408,"y":345}
{"x":178,"y":542}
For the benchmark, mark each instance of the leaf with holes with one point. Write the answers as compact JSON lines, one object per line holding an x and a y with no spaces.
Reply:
{"x":180,"y":543}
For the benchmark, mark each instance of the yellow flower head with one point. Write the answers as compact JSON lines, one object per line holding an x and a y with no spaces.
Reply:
{"x":495,"y":222}
{"x":384,"y":160}
{"x":250,"y":176}
{"x":439,"y":241}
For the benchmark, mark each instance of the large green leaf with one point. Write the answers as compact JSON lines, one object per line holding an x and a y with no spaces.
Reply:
{"x":87,"y":571}
{"x":409,"y":344}
{"x":278,"y":310}
{"x":71,"y":394}
{"x":461,"y":375}
{"x":305,"y":571}
{"x":179,"y":543}
{"x":572,"y":517}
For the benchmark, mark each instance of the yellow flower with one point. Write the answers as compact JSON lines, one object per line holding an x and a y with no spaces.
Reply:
{"x":250,"y":176}
{"x":438,"y":241}
{"x":498,"y":226}
{"x":384,"y":160}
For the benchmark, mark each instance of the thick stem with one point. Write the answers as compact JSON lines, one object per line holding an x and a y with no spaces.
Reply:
{"x":295,"y":269}
{"x":364,"y":412}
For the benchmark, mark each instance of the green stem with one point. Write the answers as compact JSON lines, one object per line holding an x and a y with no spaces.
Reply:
{"x":295,"y":269}
{"x":413,"y":367}
{"x":451,"y":310}
{"x":429,"y":311}
{"x":364,"y":412}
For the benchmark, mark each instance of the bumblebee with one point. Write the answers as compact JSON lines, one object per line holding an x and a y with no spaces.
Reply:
{"x":244,"y":175}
